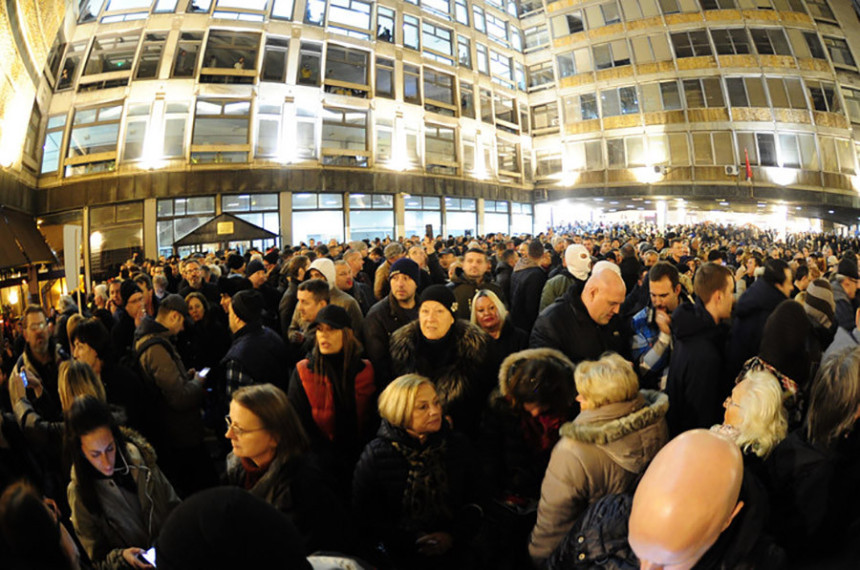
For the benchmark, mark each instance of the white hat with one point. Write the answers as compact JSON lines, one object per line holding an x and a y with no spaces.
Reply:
{"x":578,"y":261}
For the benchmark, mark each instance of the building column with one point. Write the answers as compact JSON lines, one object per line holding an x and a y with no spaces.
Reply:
{"x":285,"y":212}
{"x":150,"y":228}
{"x":481,"y":206}
{"x":85,"y":239}
{"x":399,"y":215}
{"x":346,"y":228}
{"x":779,"y":220}
{"x":662,"y":209}
{"x":443,"y":231}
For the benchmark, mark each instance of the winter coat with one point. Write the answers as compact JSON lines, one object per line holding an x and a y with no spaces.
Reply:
{"x":260,"y":354}
{"x":363,"y":295}
{"x":698,"y":381}
{"x":385,"y":317}
{"x":511,"y":339}
{"x":303,"y":492}
{"x":843,"y":340}
{"x":526,"y":286}
{"x":602,"y":451}
{"x":555,"y":287}
{"x":464,"y":290}
{"x":455,"y":364}
{"x":630,"y":272}
{"x":177,"y":411}
{"x":381,"y":483}
{"x":566,"y":326}
{"x":504,"y":271}
{"x":113,"y":528}
{"x":845,"y":309}
{"x":287,"y":306}
{"x":751,"y":313}
{"x":514,"y":446}
{"x":204,"y":343}
{"x":336,"y":297}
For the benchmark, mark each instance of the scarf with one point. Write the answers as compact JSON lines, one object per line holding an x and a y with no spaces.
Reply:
{"x":425,"y":495}
{"x":253,"y":472}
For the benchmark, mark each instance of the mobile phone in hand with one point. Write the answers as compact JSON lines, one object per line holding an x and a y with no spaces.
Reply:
{"x":148,"y":557}
{"x":204,"y":373}
{"x":23,"y":374}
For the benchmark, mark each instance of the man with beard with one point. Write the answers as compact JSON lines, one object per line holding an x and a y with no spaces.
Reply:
{"x":194,"y":282}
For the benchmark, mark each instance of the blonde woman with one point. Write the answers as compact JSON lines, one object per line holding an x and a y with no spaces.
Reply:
{"x":755,"y":417}
{"x":602,"y":451}
{"x":490,"y":314}
{"x":415,"y":483}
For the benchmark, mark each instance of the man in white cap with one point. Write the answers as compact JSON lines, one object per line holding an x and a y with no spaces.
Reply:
{"x":577,"y":266}
{"x":323,"y":268}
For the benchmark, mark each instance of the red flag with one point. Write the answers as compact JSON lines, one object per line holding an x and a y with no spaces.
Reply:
{"x":749,"y":168}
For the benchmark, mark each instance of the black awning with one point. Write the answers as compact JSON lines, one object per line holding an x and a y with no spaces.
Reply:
{"x":222,"y":229}
{"x":21,"y":242}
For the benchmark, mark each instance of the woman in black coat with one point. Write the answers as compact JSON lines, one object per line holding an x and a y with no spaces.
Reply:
{"x":416,"y":484}
{"x":205,"y":343}
{"x":451,"y":353}
{"x":490,"y":314}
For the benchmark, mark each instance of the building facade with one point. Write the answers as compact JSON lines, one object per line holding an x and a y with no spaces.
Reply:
{"x":350,"y":118}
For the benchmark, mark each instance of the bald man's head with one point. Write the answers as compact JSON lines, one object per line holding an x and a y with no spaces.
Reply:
{"x":603,"y":294}
{"x":687,"y":497}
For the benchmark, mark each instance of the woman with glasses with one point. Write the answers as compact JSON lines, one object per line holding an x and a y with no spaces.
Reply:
{"x":270,"y":460}
{"x":416,"y":484}
{"x":616,"y":434}
{"x":334,"y":394}
{"x":118,"y":496}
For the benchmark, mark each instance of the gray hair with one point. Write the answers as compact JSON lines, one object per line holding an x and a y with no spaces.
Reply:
{"x":765,"y":421}
{"x":834,"y":398}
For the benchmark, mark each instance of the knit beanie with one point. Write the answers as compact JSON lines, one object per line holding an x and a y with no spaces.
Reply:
{"x":848,"y":266}
{"x":407,"y":267}
{"x":442,"y":295}
{"x":128,"y":288}
{"x":578,"y":261}
{"x":235,"y":261}
{"x":325,"y":266}
{"x":819,"y":303}
{"x":272,"y":257}
{"x":203,"y":531}
{"x":248,"y":305}
{"x":254,"y":266}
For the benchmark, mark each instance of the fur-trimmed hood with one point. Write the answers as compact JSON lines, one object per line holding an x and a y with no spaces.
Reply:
{"x":453,"y":377}
{"x":506,"y":370}
{"x":609,"y":426}
{"x":147,"y":454}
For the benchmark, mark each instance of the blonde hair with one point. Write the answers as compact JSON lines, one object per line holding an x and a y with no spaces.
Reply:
{"x":398,"y":399}
{"x":500,"y":307}
{"x":75,"y":379}
{"x":606,"y":381}
{"x":765,"y":421}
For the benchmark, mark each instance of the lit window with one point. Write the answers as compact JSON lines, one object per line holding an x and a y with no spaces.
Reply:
{"x":221,"y":123}
{"x":93,"y":140}
{"x":439,"y":92}
{"x":411,"y":84}
{"x":52,"y":149}
{"x":385,"y":24}
{"x":150,"y":55}
{"x":187,"y":51}
{"x":385,"y":78}
{"x":310,"y":57}
{"x":410,"y":32}
{"x":114,"y":53}
{"x":344,"y":137}
{"x":275,"y":60}
{"x":346,"y":71}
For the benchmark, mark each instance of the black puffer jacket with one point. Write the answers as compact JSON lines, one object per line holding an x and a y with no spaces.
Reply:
{"x":750,"y":316}
{"x":380,"y":483}
{"x":526,"y":287}
{"x":464,"y":291}
{"x":456,"y":364}
{"x":383,"y":318}
{"x":566,"y":326}
{"x":698,"y":381}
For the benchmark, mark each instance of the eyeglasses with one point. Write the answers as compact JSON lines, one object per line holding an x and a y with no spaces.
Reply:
{"x":236,"y":429}
{"x":37,"y":326}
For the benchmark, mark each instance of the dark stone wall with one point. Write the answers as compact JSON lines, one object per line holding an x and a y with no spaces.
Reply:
{"x":16,"y":194}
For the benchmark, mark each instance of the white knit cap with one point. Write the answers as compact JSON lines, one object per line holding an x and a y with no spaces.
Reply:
{"x":325,"y":266}
{"x":578,"y":261}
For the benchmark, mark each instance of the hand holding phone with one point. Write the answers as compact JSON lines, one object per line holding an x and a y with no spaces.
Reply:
{"x":204,"y":373}
{"x":23,"y":374}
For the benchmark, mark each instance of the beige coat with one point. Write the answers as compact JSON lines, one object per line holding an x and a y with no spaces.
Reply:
{"x":601,"y":452}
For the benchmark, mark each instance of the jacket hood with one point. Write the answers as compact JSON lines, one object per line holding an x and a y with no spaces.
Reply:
{"x":506,"y":370}
{"x":460,"y":277}
{"x":608,"y":427}
{"x":147,"y":452}
{"x":691,"y":319}
{"x":525,"y":263}
{"x":326,"y":267}
{"x":761,"y":296}
{"x":150,"y":326}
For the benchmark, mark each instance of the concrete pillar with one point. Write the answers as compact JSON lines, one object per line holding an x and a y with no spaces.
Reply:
{"x":285,"y":212}
{"x":481,"y":206}
{"x":346,"y":226}
{"x":662,"y":209}
{"x":150,"y":228}
{"x":85,"y":239}
{"x":399,"y":215}
{"x":443,"y":231}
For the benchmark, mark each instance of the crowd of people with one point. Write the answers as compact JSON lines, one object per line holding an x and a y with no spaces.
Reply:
{"x":615,"y":396}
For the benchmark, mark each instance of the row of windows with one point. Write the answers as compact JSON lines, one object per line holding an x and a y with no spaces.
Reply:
{"x":662,"y":47}
{"x":614,"y":11}
{"x":257,"y":10}
{"x":237,"y":57}
{"x":718,"y":148}
{"x":221,"y":131}
{"x":750,"y":91}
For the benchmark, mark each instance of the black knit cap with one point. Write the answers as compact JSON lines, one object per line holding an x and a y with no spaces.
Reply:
{"x":334,"y":316}
{"x":231,"y":285}
{"x":442,"y":295}
{"x":407,"y":267}
{"x":248,"y":306}
{"x":128,"y":288}
{"x":235,"y":261}
{"x":848,"y":266}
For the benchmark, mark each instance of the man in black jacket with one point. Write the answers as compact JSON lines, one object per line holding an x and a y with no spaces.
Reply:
{"x":527,"y":284}
{"x":386,"y":316}
{"x":753,"y":309}
{"x":698,"y":380}
{"x":584,"y":323}
{"x":505,"y":268}
{"x":472,"y":277}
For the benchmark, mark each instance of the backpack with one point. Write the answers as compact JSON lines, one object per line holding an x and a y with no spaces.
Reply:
{"x":149,"y":393}
{"x":598,"y":539}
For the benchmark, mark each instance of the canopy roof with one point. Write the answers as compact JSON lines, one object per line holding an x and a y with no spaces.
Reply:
{"x":224,"y":228}
{"x":21,"y":242}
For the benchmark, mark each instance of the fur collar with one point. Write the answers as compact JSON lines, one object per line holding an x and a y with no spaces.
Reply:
{"x":147,"y":452}
{"x":470,"y":340}
{"x":512,"y":360}
{"x":656,"y":404}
